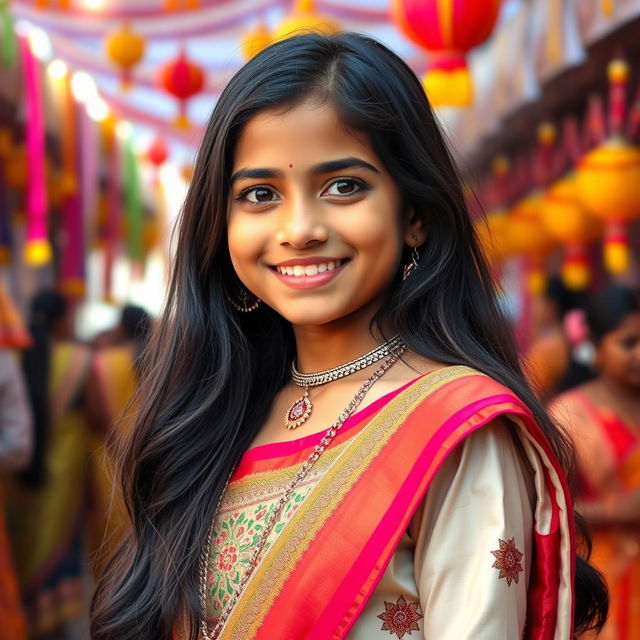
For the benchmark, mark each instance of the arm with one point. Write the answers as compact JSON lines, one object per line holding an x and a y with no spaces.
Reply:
{"x":481,"y":496}
{"x":16,"y":436}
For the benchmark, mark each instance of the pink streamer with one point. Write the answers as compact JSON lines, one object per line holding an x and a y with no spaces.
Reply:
{"x":35,"y":137}
{"x":72,"y":258}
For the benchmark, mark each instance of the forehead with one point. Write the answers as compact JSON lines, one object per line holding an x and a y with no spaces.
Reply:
{"x":630,"y":323}
{"x":304,"y":134}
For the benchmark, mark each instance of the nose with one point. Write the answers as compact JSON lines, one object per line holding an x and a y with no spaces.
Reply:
{"x":300,"y":224}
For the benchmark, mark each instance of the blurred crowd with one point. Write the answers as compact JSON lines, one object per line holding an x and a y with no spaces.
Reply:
{"x":63,"y":406}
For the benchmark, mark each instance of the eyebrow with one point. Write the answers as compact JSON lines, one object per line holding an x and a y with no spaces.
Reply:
{"x":323,"y":167}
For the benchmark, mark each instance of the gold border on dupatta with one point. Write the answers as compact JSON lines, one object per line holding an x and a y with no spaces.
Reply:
{"x":281,"y":558}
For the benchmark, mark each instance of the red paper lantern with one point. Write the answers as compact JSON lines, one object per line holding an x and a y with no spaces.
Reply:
{"x":182,"y":79}
{"x":448,"y":30}
{"x":157,"y":153}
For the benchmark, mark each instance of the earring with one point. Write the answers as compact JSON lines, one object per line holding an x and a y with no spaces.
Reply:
{"x":243,"y":302}
{"x":411,"y":266}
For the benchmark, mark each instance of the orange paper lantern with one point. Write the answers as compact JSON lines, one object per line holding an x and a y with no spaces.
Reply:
{"x":528,"y":237}
{"x":303,"y":19}
{"x":448,"y":30}
{"x":125,"y":48}
{"x":570,"y":223}
{"x":255,"y":41}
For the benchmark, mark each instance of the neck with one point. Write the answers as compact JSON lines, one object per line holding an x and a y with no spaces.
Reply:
{"x":326,"y":346}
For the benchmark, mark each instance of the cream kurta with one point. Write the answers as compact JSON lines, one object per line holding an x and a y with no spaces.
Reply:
{"x":443,"y":580}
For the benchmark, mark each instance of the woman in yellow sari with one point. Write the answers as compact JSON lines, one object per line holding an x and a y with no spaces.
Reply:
{"x":603,"y":419}
{"x":334,"y":437}
{"x":46,"y":507}
{"x":112,"y":382}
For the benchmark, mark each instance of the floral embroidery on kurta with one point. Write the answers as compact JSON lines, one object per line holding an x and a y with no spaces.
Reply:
{"x":508,"y":561}
{"x":235,"y":535}
{"x":400,"y":617}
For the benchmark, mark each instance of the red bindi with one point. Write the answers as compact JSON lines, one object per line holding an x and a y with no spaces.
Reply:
{"x":290,"y":166}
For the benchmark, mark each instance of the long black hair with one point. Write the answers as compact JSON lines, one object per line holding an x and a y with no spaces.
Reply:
{"x":212,"y":373}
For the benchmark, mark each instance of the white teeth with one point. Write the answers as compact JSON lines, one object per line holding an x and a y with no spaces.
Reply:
{"x":310,"y":269}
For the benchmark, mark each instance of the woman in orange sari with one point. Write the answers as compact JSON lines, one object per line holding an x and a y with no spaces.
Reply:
{"x":603,"y":419}
{"x":334,"y":438}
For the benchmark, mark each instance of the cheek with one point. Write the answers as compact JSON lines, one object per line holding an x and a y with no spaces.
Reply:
{"x":245,"y":241}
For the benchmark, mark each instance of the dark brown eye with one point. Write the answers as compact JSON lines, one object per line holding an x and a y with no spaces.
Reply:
{"x":259,"y":195}
{"x":345,"y":187}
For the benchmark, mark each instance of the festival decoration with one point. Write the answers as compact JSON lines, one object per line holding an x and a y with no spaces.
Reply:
{"x":568,"y":222}
{"x":177,"y":5}
{"x":304,"y":18}
{"x":37,"y":247}
{"x":133,"y":204}
{"x":609,"y":177}
{"x":157,"y":153}
{"x":529,"y":238}
{"x":13,"y":333}
{"x":448,"y":30}
{"x":125,"y":48}
{"x":8,"y":45}
{"x":112,"y":202}
{"x":255,"y":41}
{"x":182,"y":79}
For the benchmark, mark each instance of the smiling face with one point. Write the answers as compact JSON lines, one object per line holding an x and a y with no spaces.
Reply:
{"x":618,"y":353}
{"x":315,"y":222}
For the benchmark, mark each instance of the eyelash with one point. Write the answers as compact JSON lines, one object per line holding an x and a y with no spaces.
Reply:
{"x":361,"y":184}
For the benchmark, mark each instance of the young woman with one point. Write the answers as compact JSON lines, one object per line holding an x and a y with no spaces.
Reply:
{"x":603,"y":417}
{"x":335,"y":438}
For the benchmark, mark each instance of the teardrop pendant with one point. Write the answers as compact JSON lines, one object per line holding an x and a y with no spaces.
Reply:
{"x":299,"y":412}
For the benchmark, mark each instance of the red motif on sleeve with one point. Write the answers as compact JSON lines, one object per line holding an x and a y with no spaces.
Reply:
{"x":508,"y":561}
{"x":400,"y":617}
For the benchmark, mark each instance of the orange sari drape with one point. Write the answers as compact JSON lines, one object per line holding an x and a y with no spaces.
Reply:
{"x":315,"y":578}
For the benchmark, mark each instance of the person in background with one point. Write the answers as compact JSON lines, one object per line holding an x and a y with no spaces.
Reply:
{"x":16,"y":441}
{"x":113,"y":380}
{"x":603,"y":417}
{"x":550,"y":364}
{"x":46,"y":507}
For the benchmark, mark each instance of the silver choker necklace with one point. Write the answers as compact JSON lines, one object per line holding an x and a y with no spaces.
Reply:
{"x":300,"y":411}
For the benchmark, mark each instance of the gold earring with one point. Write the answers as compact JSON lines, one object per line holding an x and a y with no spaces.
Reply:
{"x":243,"y":302}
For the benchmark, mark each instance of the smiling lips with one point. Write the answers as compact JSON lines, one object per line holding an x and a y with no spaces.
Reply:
{"x":308,"y":273}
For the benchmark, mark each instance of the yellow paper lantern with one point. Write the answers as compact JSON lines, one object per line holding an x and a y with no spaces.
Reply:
{"x":125,"y":48}
{"x":255,"y":41}
{"x":609,"y":187}
{"x":304,"y":19}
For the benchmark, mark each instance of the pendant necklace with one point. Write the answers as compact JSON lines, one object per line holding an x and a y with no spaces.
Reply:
{"x":300,"y":410}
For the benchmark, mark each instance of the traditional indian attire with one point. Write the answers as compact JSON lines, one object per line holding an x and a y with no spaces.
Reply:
{"x":414,"y":520}
{"x":608,"y":465}
{"x":15,"y":451}
{"x":115,"y":381}
{"x":45,"y":523}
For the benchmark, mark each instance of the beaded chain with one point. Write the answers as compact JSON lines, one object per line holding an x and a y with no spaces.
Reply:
{"x":325,"y":441}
